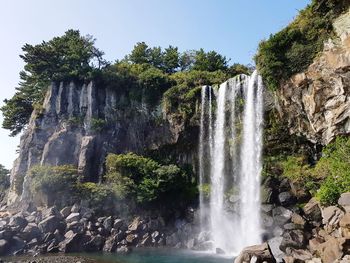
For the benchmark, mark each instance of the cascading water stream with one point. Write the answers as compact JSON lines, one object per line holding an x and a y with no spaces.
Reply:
{"x":251,"y":163}
{"x":231,"y":152}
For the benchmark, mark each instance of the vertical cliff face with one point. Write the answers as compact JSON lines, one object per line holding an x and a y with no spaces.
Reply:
{"x":80,"y":124}
{"x":316,"y":103}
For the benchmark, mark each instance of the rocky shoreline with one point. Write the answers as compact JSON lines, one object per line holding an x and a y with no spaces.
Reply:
{"x":293,"y":233}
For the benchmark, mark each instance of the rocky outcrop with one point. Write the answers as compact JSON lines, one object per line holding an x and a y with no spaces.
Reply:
{"x":316,"y":103}
{"x":80,"y":124}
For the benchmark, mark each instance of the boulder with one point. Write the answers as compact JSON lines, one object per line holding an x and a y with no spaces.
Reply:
{"x":135,"y":225}
{"x":344,"y":224}
{"x":274,"y":245}
{"x":94,"y":244}
{"x":107,"y":223}
{"x":299,"y":255}
{"x":147,"y":241}
{"x":344,"y":201}
{"x":72,"y":243}
{"x":73,"y":217}
{"x":281,"y":215}
{"x":259,"y":253}
{"x":50,"y":224}
{"x":30,"y":232}
{"x":110,"y":244}
{"x":331,"y":216}
{"x":298,"y":219}
{"x":131,"y":239}
{"x":286,"y":198}
{"x":312,"y":211}
{"x":18,"y":221}
{"x":4,"y":245}
{"x":266,"y":220}
{"x":66,"y":211}
{"x":333,"y":249}
{"x":118,"y":223}
{"x":75,"y":208}
{"x":293,"y":239}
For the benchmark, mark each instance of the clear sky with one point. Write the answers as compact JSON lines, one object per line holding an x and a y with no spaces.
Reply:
{"x":231,"y":27}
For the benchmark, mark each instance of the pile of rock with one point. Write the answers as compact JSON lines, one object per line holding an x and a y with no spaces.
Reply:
{"x":311,"y":234}
{"x":77,"y":229}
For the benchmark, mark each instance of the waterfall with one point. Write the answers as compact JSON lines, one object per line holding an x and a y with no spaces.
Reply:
{"x":230,"y":160}
{"x":251,"y":163}
{"x":217,"y":170}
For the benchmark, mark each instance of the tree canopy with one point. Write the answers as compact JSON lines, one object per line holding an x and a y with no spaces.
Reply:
{"x":73,"y":57}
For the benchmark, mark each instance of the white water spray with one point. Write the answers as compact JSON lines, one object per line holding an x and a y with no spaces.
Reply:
{"x":233,"y":224}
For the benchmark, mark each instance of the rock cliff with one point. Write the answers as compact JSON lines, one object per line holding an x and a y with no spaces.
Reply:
{"x":316,"y":103}
{"x":80,"y":124}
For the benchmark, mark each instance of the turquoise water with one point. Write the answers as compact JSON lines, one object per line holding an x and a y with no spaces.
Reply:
{"x":160,"y":256}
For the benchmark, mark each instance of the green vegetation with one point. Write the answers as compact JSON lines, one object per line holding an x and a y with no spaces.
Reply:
{"x":293,"y":49}
{"x":329,"y":178}
{"x":56,"y":183}
{"x":100,"y":197}
{"x":4,"y":178}
{"x":69,"y":57}
{"x":130,"y":177}
{"x":97,"y":125}
{"x":147,"y":182}
{"x":145,"y":74}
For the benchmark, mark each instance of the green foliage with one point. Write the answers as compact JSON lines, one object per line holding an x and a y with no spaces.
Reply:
{"x":4,"y":178}
{"x":97,"y":125}
{"x":329,"y":178}
{"x":53,"y":179}
{"x":98,"y":196}
{"x":146,"y":181}
{"x":146,"y":74}
{"x":335,"y":164}
{"x":69,"y":57}
{"x":171,"y":59}
{"x":154,"y":82}
{"x":181,"y":98}
{"x":298,"y":170}
{"x":209,"y":61}
{"x":293,"y":49}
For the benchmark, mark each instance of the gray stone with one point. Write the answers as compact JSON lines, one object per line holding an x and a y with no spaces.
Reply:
{"x":110,"y":244}
{"x":281,"y":215}
{"x":293,"y":239}
{"x":274,"y":245}
{"x":73,"y":217}
{"x":312,"y":211}
{"x":331,"y":216}
{"x":66,"y":211}
{"x":4,"y":245}
{"x":18,"y":221}
{"x":259,"y":253}
{"x":107,"y":223}
{"x":344,"y":201}
{"x":50,"y":224}
{"x":118,"y":223}
{"x":285,"y":198}
{"x":266,"y":220}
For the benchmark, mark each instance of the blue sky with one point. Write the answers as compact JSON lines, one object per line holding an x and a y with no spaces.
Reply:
{"x":231,"y":27}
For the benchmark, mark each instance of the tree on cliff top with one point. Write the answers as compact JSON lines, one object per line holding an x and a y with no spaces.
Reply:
{"x":69,"y":57}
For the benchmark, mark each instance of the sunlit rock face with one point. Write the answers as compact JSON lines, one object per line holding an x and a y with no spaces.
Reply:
{"x":316,"y":103}
{"x":80,"y":124}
